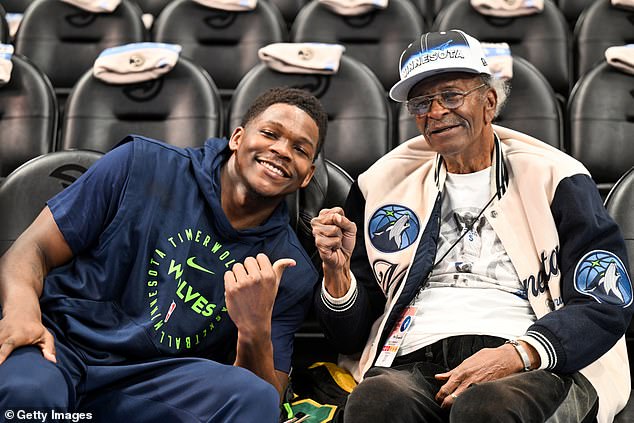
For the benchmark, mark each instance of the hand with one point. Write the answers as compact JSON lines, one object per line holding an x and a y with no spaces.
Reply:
{"x":335,"y":237}
{"x":250,"y":291}
{"x":18,"y":332}
{"x":485,"y":365}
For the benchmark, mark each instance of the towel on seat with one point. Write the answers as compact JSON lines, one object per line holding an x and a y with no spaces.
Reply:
{"x":312,"y":58}
{"x":353,"y":7}
{"x":624,"y":4}
{"x":231,"y":5}
{"x":95,"y":6}
{"x":508,"y":8}
{"x":14,"y":20}
{"x":499,"y":58}
{"x":621,"y":57}
{"x":6,"y":65}
{"x":135,"y":62}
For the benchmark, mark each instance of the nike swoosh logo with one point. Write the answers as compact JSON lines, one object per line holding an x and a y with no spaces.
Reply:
{"x":191,"y":263}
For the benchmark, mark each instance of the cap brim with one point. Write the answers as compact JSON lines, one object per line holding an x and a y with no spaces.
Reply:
{"x":401,"y":89}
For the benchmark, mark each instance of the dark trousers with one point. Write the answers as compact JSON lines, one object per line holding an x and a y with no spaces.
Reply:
{"x":405,"y":392}
{"x":162,"y":391}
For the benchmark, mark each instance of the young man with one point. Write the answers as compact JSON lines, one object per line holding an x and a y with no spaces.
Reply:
{"x":475,"y":268}
{"x":136,"y":289}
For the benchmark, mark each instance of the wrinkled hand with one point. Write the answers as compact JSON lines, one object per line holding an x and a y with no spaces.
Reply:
{"x":250,"y":291}
{"x":486,"y":365}
{"x":335,"y":237}
{"x":18,"y":332}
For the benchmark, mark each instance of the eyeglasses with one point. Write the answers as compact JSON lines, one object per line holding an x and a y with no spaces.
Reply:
{"x":419,"y":106}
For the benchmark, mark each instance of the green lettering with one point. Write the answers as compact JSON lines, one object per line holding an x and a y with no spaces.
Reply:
{"x":170,"y":340}
{"x":180,"y":237}
{"x":154,"y":317}
{"x":224,"y":255}
{"x":216,"y":247}
{"x":188,"y":343}
{"x":152,"y":273}
{"x":178,"y":343}
{"x":153,"y":303}
{"x":180,"y":287}
{"x":157,"y":326}
{"x":206,"y":241}
{"x":229,"y":263}
{"x":199,"y":304}
{"x":175,"y":268}
{"x":188,"y":234}
{"x":154,"y":262}
{"x":152,"y":294}
{"x":171,"y":240}
{"x":152,"y":283}
{"x":197,"y":236}
{"x":160,"y":253}
{"x":162,"y":337}
{"x":190,"y":296}
{"x":154,"y":310}
{"x":209,"y":310}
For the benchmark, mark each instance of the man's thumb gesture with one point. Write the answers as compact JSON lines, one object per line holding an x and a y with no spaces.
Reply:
{"x":280,"y":265}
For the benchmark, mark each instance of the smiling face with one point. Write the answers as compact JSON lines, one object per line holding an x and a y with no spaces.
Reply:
{"x":463,"y":136}
{"x":274,"y":152}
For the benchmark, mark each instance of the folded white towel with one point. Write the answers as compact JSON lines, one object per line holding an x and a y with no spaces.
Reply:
{"x":14,"y":20}
{"x":311,"y":58}
{"x":231,"y":5}
{"x":353,"y":7}
{"x":499,"y":59}
{"x":508,"y":8}
{"x":95,"y":6}
{"x":621,"y":57}
{"x":135,"y":62}
{"x":626,"y":4}
{"x":6,"y":65}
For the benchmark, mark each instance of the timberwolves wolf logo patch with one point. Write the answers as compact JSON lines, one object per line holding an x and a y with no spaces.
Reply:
{"x":393,"y":228}
{"x":601,"y":275}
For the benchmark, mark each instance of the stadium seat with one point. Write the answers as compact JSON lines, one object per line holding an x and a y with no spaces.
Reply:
{"x":572,"y":9}
{"x":543,"y":39}
{"x":532,"y":108}
{"x":224,"y":43}
{"x":28,"y":116}
{"x":601,"y":119}
{"x":376,"y":38}
{"x":25,"y":191}
{"x":153,"y":7}
{"x":182,"y":108}
{"x":358,"y":112}
{"x":64,"y":41}
{"x":289,"y":9}
{"x":429,"y":9}
{"x":16,"y":6}
{"x":620,"y":205}
{"x":601,"y":26}
{"x":4,"y":27}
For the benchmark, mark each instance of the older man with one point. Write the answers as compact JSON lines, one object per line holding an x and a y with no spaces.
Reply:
{"x":474,"y":272}
{"x":153,"y":288}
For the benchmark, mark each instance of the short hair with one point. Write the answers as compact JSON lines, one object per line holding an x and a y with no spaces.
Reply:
{"x":295,"y":97}
{"x":502,"y":88}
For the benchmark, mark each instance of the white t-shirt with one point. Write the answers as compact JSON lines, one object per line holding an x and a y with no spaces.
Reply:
{"x":474,"y":289}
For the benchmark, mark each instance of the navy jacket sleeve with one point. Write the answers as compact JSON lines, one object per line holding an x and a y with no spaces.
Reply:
{"x":347,"y":326}
{"x":596,"y":289}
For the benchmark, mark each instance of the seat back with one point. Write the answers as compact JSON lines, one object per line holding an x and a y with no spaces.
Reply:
{"x":328,"y":188}
{"x":182,"y":108}
{"x":543,"y":39}
{"x":532,"y":108}
{"x":27,"y":189}
{"x":601,"y":119}
{"x":4,"y":27}
{"x":358,"y":112}
{"x":376,"y":38}
{"x":601,"y":26}
{"x":28,"y":115}
{"x":572,"y":9}
{"x":620,"y":205}
{"x":16,"y":6}
{"x":224,"y":43}
{"x":64,"y":41}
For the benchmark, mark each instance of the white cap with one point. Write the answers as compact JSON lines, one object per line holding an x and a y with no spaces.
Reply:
{"x":438,"y":52}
